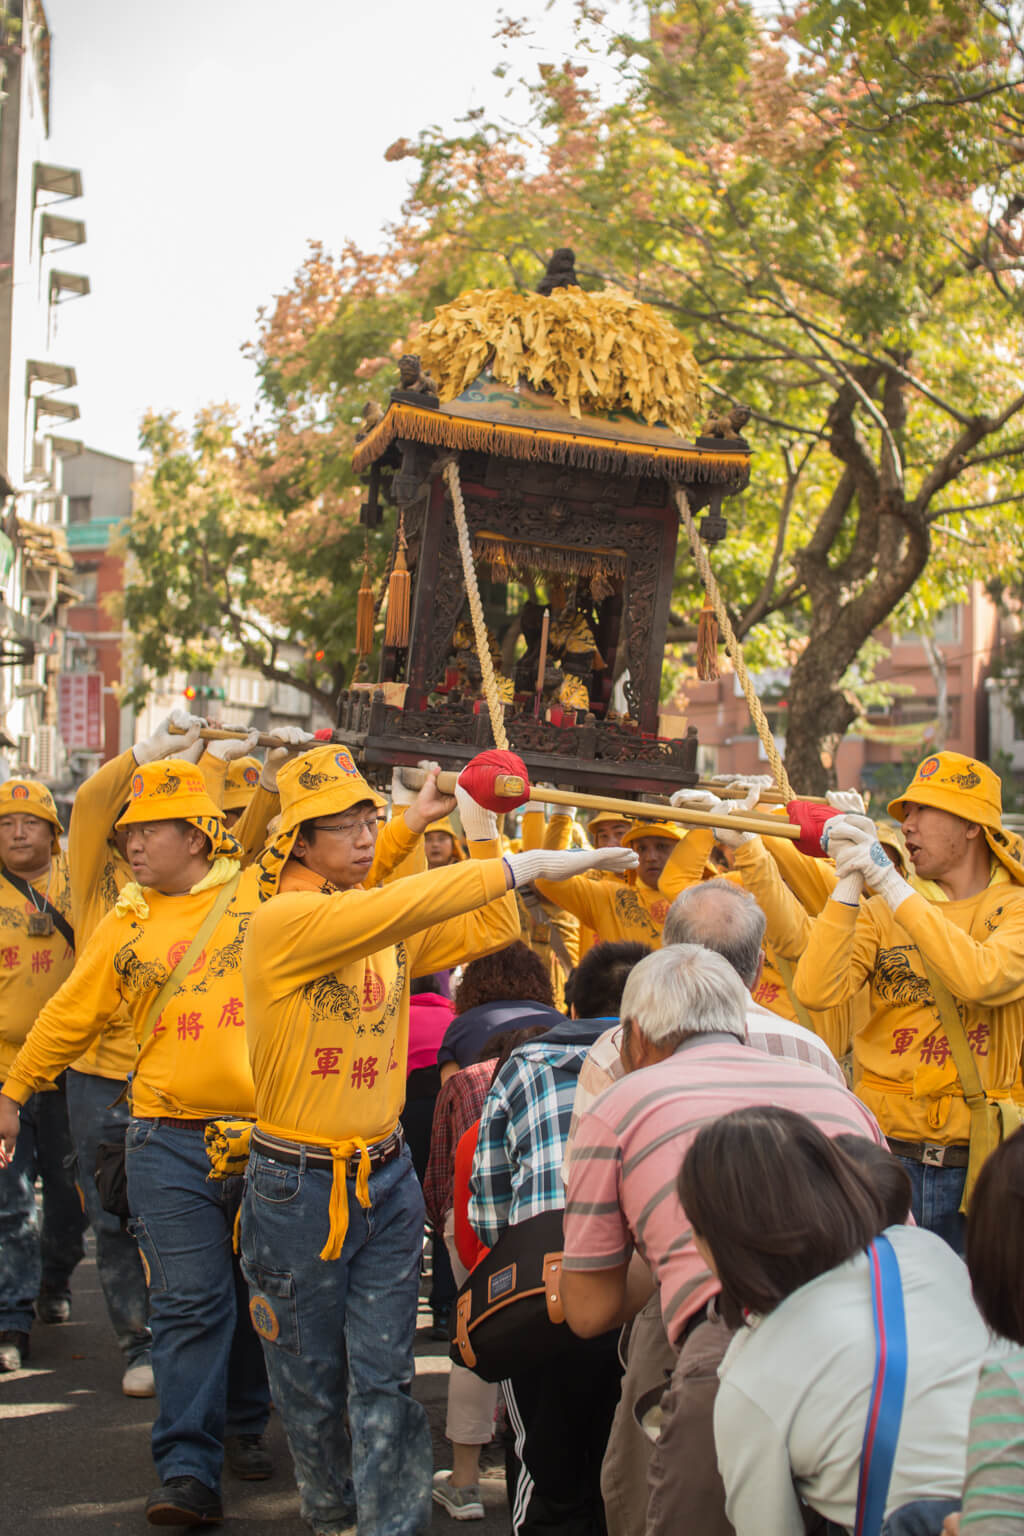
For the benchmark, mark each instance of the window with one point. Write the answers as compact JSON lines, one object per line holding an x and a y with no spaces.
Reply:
{"x":85,"y":584}
{"x":79,"y":509}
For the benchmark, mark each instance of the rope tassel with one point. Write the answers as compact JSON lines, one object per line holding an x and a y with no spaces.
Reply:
{"x":396,"y":630}
{"x":733,"y":647}
{"x":476,"y":612}
{"x":707,"y":643}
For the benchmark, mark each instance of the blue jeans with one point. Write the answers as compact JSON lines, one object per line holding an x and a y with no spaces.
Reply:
{"x":342,"y":1331}
{"x":935,"y":1201}
{"x":92,"y":1120}
{"x":207,"y":1361}
{"x":32,"y":1259}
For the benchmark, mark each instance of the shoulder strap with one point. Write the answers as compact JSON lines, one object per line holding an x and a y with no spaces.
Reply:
{"x":185,"y":964}
{"x":885,"y":1405}
{"x":953,"y":1024}
{"x":60,"y":922}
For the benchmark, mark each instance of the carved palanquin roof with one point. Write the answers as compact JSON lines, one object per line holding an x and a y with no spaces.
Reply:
{"x":521,"y":423}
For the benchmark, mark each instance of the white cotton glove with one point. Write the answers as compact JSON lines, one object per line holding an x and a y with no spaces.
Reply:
{"x":163,"y":744}
{"x":758,"y":781}
{"x":845,"y":828}
{"x":847,"y":800}
{"x":558,"y":865}
{"x":290,"y":736}
{"x":697,"y":800}
{"x":479,"y":824}
{"x":227,"y":751}
{"x":734,"y":837}
{"x":858,"y":852}
{"x":401,"y":794}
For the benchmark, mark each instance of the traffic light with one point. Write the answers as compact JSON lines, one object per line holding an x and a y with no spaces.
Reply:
{"x":205,"y":691}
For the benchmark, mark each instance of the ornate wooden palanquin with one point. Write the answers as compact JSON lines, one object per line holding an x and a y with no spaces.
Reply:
{"x":562,"y":496}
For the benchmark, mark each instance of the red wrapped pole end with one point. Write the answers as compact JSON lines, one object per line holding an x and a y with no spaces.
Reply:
{"x":810,"y":818}
{"x":480,"y":779}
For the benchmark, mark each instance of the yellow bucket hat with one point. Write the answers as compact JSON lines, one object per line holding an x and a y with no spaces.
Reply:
{"x":173,"y":790}
{"x":445,"y":825}
{"x":606,"y":816}
{"x":242,"y":781}
{"x":639,"y":829}
{"x":322,"y":782}
{"x":27,"y":797}
{"x":948,"y":781}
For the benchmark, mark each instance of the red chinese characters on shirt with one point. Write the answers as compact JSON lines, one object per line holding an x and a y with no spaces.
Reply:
{"x":936,"y":1050}
{"x":373,"y":991}
{"x":190,"y":1026}
{"x":767,"y":993}
{"x":364,"y":1072}
{"x":902,"y":1040}
{"x":232,"y":1013}
{"x":42,"y":960}
{"x":328,"y":1061}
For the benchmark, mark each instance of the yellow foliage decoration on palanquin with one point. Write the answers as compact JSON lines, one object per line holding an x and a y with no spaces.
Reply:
{"x":593,"y":351}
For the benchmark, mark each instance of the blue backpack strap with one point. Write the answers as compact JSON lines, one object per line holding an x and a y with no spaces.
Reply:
{"x":885,"y":1408}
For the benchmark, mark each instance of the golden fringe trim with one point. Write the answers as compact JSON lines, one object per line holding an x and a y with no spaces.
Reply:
{"x":501,"y":553}
{"x":534,"y":444}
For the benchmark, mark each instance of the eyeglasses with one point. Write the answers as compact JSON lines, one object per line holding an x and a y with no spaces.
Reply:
{"x":351,"y":829}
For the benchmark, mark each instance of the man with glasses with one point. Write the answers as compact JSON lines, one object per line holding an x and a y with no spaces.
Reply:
{"x":332,"y":1222}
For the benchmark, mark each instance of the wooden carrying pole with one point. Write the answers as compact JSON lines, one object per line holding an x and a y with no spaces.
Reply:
{"x":214,"y":733}
{"x":513,"y":787}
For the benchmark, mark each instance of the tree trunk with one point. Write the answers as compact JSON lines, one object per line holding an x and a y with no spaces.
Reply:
{"x":817,"y":710}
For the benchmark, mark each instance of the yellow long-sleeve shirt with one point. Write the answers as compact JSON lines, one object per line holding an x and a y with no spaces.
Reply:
{"x":907,"y":1075}
{"x":787,"y":933}
{"x":98,"y":875}
{"x":327,"y":989}
{"x":197,"y":1066}
{"x":543,"y":917}
{"x":632,"y":911}
{"x":32,"y":966}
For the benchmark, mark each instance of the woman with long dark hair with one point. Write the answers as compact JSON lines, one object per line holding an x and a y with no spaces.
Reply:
{"x":784,"y":1218}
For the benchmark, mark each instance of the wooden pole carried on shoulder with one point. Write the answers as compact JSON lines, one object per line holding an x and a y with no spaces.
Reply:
{"x":513,"y":787}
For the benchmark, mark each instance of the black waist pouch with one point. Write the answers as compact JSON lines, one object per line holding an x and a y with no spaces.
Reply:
{"x":508,"y":1313}
{"x":111,"y":1178}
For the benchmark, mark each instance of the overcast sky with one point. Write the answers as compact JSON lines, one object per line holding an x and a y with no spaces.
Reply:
{"x":215,"y":138}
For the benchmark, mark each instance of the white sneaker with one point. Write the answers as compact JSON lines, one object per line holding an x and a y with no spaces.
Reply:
{"x":460,"y":1503}
{"x":138,"y":1381}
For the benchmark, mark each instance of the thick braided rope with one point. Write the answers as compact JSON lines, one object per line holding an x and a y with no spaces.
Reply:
{"x":476,"y":611}
{"x":732,"y":645}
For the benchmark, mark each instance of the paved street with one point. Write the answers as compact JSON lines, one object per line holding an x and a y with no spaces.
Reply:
{"x":75,"y":1452}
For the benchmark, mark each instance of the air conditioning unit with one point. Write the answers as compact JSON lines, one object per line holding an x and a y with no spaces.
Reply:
{"x":25,"y":757}
{"x":46,"y":751}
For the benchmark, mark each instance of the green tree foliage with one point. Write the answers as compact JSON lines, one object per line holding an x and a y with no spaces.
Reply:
{"x":223,"y":564}
{"x":826,"y":197}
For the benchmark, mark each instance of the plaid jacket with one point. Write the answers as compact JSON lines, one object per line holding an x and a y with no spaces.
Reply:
{"x":458,"y":1106}
{"x":517,"y":1170}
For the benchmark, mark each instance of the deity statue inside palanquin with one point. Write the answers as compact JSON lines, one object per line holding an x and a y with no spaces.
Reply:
{"x":467,"y":661}
{"x":573,"y":641}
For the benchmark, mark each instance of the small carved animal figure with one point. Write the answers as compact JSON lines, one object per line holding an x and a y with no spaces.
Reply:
{"x":412,"y":377}
{"x":561,"y":272}
{"x":372,"y":414}
{"x":730,"y":425}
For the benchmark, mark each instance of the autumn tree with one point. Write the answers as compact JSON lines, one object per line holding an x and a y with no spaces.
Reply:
{"x":826,"y":197}
{"x":223,"y":563}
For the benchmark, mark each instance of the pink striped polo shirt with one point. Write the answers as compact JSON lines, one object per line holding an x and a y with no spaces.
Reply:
{"x":631,"y":1143}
